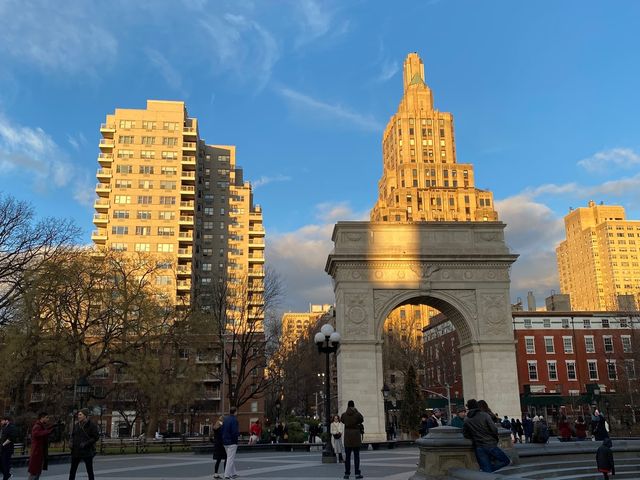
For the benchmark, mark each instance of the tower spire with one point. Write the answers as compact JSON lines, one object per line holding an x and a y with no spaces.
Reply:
{"x":413,"y":70}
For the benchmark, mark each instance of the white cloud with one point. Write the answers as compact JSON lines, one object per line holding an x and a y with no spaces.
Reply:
{"x":265,"y":180}
{"x":33,"y":151}
{"x":533,"y":231}
{"x":300,"y":256}
{"x":77,"y":141}
{"x":243,"y":46}
{"x":624,"y":158}
{"x":168,"y":72}
{"x":319,"y":108}
{"x":55,"y":37}
{"x":317,"y":21}
{"x":388,"y":69}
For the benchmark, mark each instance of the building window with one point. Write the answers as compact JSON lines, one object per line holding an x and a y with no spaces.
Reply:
{"x":605,"y":323}
{"x":546,"y":322}
{"x":553,"y":370}
{"x":527,"y":323}
{"x":626,"y":343}
{"x":533,"y":370}
{"x":608,"y":343}
{"x":586,"y":323}
{"x":165,"y":247}
{"x":611,"y":370}
{"x":567,"y":343}
{"x":630,"y":369}
{"x":548,"y":345}
{"x":142,"y":247}
{"x":571,"y":371}
{"x":530,"y":345}
{"x":119,"y":230}
{"x":143,"y":230}
{"x":122,"y":199}
{"x":565,"y":323}
{"x":120,"y":214}
{"x":593,"y":369}
{"x":167,"y":215}
{"x":589,"y":344}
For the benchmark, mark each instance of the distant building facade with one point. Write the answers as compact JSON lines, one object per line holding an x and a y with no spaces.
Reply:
{"x":599,"y":261}
{"x":295,"y":325}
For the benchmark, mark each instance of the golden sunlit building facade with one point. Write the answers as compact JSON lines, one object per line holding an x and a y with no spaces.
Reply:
{"x":598,"y":262}
{"x":295,"y":325}
{"x":421,"y":179}
{"x":163,"y":191}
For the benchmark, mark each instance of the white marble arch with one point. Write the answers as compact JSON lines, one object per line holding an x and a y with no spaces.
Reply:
{"x":461,"y":269}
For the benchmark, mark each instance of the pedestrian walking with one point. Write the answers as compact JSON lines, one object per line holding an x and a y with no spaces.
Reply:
{"x":337,"y":431}
{"x":540,"y":430}
{"x":604,"y":459}
{"x":230,"y":433}
{"x":481,"y":429}
{"x":8,"y":437}
{"x":83,"y":444}
{"x":458,"y":420}
{"x":219,"y":453}
{"x":527,"y":427}
{"x":581,"y":429}
{"x":519,"y":431}
{"x":40,"y":432}
{"x":353,"y":426}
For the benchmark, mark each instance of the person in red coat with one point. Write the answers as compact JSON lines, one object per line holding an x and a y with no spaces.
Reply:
{"x":564,"y":428}
{"x":39,"y":446}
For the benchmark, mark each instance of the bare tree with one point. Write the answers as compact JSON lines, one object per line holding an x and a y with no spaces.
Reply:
{"x":24,"y":243}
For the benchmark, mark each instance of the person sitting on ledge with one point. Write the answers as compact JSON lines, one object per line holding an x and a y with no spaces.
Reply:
{"x":480,"y":428}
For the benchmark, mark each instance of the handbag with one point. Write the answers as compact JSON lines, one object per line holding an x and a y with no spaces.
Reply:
{"x":337,"y":435}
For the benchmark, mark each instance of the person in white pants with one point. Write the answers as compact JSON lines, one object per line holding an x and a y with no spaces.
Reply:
{"x":230,"y":433}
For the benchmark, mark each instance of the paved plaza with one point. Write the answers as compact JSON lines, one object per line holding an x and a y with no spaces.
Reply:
{"x":397,"y":464}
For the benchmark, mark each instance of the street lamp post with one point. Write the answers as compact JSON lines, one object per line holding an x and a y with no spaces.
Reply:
{"x":328,"y":342}
{"x":83,"y":389}
{"x":385,"y":396}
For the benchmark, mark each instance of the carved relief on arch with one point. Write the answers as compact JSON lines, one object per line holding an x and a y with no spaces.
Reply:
{"x":493,"y":312}
{"x":356,"y":314}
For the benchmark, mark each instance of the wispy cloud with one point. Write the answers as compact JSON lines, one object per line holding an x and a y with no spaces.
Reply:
{"x":77,"y":141}
{"x":32,"y":150}
{"x":52,"y":37}
{"x":624,"y":158}
{"x":317,"y":20}
{"x":265,"y":180}
{"x":168,"y":72}
{"x":388,"y":69}
{"x":243,"y":46}
{"x":333,"y":112}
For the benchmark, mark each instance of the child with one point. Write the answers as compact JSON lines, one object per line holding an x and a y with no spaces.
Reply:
{"x":604,"y":459}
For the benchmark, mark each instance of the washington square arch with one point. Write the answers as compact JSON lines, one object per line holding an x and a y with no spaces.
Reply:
{"x":434,"y":238}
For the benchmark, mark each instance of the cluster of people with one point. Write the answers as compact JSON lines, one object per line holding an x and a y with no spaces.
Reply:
{"x":226,"y":431}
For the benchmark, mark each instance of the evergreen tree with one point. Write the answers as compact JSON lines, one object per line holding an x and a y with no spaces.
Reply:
{"x":410,"y":408}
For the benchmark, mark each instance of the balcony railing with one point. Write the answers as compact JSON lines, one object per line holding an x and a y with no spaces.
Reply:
{"x":189,"y":145}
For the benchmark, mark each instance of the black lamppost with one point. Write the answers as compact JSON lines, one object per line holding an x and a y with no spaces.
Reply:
{"x":278,"y":406}
{"x":328,"y":342}
{"x":385,"y":396}
{"x":83,"y":390}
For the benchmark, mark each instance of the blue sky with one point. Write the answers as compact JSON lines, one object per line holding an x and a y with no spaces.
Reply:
{"x":544,"y":96}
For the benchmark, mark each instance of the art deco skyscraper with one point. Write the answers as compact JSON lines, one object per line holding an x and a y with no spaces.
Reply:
{"x":599,"y":261}
{"x":163,"y":191}
{"x":421,"y":180}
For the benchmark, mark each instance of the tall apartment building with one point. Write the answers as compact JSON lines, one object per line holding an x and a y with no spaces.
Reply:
{"x":421,"y":180}
{"x":162,"y":190}
{"x":598,"y":262}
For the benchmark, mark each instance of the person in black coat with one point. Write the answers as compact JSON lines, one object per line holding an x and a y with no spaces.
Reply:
{"x":604,"y":459}
{"x":219,"y":453}
{"x":83,"y":444}
{"x":8,"y":437}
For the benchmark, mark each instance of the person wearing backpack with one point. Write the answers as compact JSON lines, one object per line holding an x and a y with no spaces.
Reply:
{"x":506,"y":424}
{"x":604,"y":459}
{"x":480,"y":428}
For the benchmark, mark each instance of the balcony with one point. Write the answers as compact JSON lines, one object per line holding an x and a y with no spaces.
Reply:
{"x":103,"y":174}
{"x":184,"y":253}
{"x":188,"y":161}
{"x":106,"y":143}
{"x":188,"y":176}
{"x":184,"y":270}
{"x":187,"y":190}
{"x":184,"y":285}
{"x":103,"y":189}
{"x":107,"y":128}
{"x":100,"y":218}
{"x":101,"y":204}
{"x":256,"y":242}
{"x":189,"y":146}
{"x":256,"y":259}
{"x":187,"y":205}
{"x":105,"y":159}
{"x":256,"y":272}
{"x":185,"y":236}
{"x":191,"y":132}
{"x":186,"y":220}
{"x":99,"y":236}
